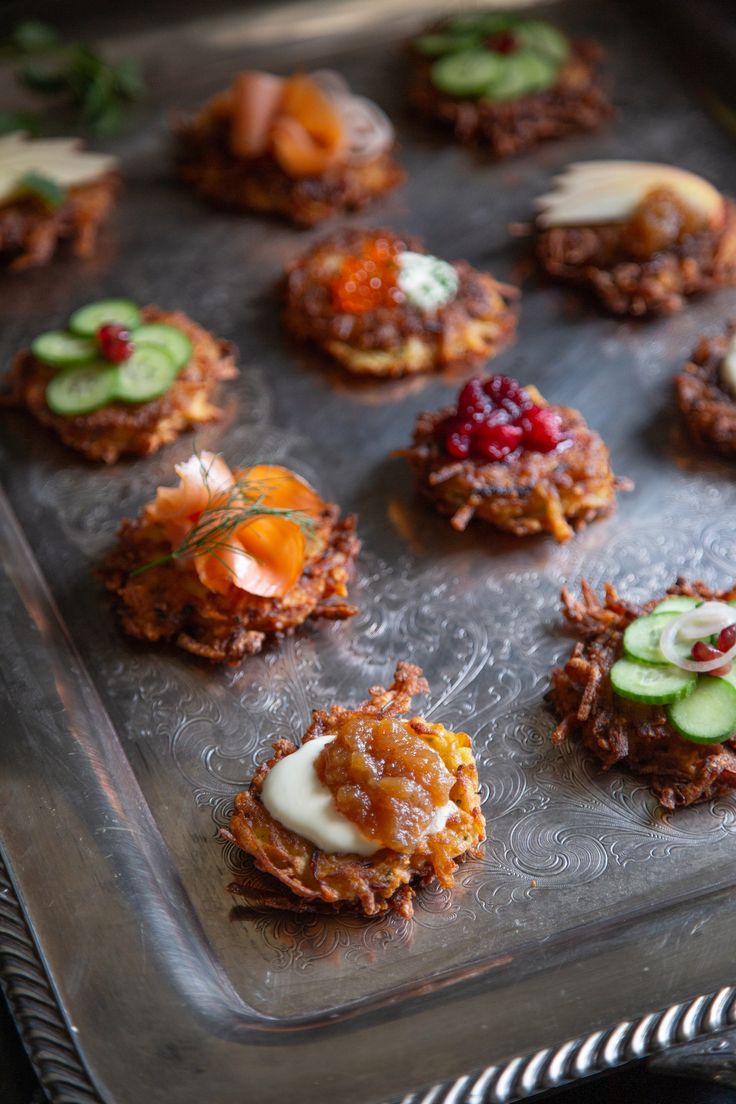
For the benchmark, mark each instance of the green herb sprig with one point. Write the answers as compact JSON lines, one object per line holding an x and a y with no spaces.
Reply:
{"x":99,"y":91}
{"x":212,"y":532}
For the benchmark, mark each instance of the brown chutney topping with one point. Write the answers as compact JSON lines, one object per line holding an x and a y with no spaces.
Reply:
{"x":659,"y":222}
{"x":385,"y":779}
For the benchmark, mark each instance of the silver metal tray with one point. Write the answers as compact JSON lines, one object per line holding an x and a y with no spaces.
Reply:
{"x":588,"y":932}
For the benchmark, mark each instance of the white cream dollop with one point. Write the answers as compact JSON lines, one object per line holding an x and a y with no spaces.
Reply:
{"x":295,"y":797}
{"x":426,"y":281}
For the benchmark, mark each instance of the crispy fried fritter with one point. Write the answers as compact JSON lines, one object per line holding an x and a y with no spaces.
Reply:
{"x":593,"y":256}
{"x":708,"y":408}
{"x":30,"y":232}
{"x":168,"y":602}
{"x":205,"y":162}
{"x":619,"y":732}
{"x":555,"y":492}
{"x":385,"y":880}
{"x":576,"y":102}
{"x":135,"y":428}
{"x":397,"y":340}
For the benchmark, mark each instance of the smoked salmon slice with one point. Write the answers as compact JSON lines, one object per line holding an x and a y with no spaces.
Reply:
{"x":255,"y":98}
{"x":262,"y":554}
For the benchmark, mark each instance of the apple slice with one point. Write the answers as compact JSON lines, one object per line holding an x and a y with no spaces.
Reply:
{"x":728,"y":369}
{"x":59,"y":159}
{"x":592,"y":193}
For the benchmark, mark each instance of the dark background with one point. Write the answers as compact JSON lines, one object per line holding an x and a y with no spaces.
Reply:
{"x":701,"y":34}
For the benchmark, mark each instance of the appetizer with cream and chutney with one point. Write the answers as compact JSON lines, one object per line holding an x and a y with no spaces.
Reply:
{"x":227,"y":559}
{"x":652,"y":687}
{"x":642,"y":236}
{"x":505,"y":82}
{"x":51,"y":190}
{"x":304,"y":147}
{"x":121,"y":379}
{"x":382,"y":306}
{"x":368,"y":807}
{"x":504,"y":455}
{"x":706,"y":392}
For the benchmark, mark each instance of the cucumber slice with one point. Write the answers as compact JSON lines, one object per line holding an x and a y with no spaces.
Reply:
{"x":82,"y":389}
{"x":708,"y":715}
{"x":61,"y":348}
{"x":148,"y":373}
{"x":87,"y":320}
{"x":168,"y":339}
{"x":677,"y":603}
{"x":535,"y":70}
{"x":518,"y":75}
{"x":641,"y":638}
{"x":544,"y":38}
{"x":434,"y":45}
{"x":466,"y":73}
{"x":652,"y":685}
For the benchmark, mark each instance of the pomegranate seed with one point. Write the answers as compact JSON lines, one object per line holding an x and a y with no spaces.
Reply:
{"x":503,"y":42}
{"x":726,"y":638}
{"x":702,"y":651}
{"x":542,"y":429}
{"x":496,"y":442}
{"x":721,"y":672}
{"x":115,"y":342}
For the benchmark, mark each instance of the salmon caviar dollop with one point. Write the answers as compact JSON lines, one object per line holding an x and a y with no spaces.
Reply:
{"x":369,"y":281}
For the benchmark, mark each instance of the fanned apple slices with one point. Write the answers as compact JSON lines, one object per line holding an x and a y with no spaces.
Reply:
{"x":62,"y":160}
{"x":591,"y":193}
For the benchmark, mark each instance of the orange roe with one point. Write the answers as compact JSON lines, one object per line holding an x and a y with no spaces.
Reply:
{"x":368,"y":281}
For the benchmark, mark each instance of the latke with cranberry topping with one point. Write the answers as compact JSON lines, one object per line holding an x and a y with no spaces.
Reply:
{"x":506,"y":457}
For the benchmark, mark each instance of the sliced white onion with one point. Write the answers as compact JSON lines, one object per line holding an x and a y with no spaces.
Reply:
{"x":695,"y":624}
{"x":369,"y":130}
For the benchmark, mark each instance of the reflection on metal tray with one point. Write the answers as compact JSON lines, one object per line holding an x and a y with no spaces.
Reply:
{"x":133,"y":974}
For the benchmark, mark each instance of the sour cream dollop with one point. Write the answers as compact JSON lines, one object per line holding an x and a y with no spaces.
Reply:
{"x":427,"y":282}
{"x":294,"y":796}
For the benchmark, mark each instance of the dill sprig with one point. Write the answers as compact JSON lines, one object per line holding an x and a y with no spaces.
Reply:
{"x":211,"y":534}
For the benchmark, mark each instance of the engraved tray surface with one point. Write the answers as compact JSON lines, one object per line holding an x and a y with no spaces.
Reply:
{"x":118,"y":762}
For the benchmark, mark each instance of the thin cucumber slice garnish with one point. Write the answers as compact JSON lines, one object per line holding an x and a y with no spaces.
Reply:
{"x":520,"y":74}
{"x":708,"y":715}
{"x":61,"y":349}
{"x":466,"y":73}
{"x":434,"y":45}
{"x":82,"y":389}
{"x":87,"y":320}
{"x":650,"y":684}
{"x":146,"y":375}
{"x":168,"y":339}
{"x":544,"y":38}
{"x":641,"y":638}
{"x":677,"y":603}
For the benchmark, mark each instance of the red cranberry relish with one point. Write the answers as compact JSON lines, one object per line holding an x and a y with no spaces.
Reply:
{"x":495,"y":420}
{"x":115,"y":342}
{"x":503,"y":42}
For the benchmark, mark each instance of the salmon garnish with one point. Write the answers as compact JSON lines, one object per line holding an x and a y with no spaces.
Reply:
{"x":307,"y":135}
{"x":213,"y":518}
{"x":255,"y":98}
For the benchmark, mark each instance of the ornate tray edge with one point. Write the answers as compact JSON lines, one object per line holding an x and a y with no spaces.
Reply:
{"x":524,"y":1076}
{"x":56,"y":1060}
{"x":45,"y":1033}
